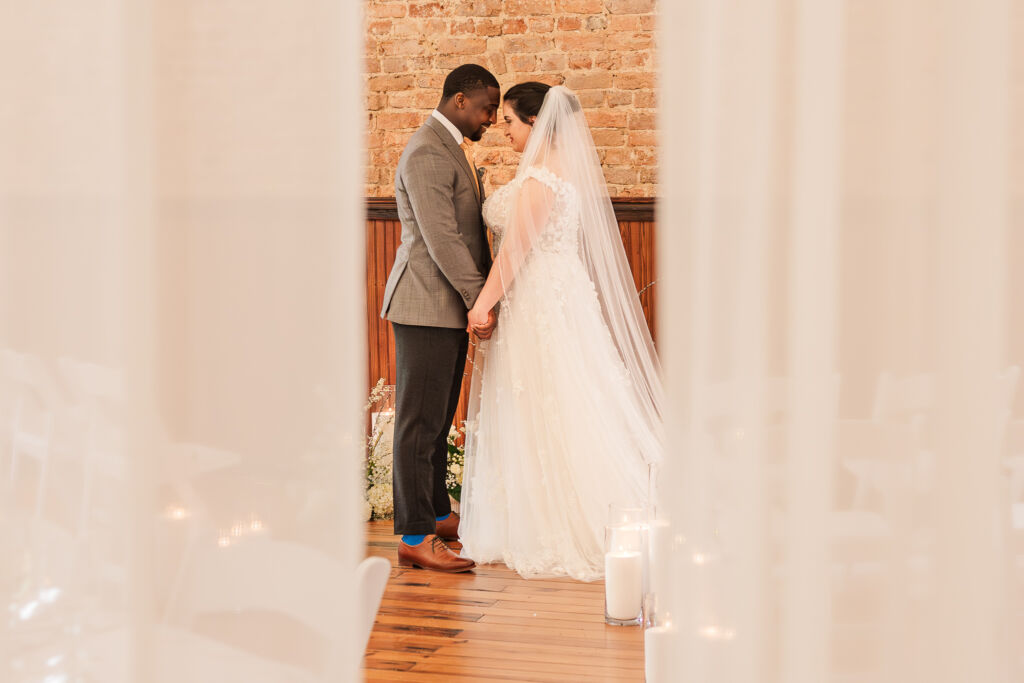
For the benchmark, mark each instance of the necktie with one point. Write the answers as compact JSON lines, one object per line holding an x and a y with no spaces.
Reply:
{"x":472,"y":167}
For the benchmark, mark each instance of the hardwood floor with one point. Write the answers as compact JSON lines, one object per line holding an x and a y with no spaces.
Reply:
{"x":492,"y":625}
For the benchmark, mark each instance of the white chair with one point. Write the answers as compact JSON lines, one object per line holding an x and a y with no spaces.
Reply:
{"x":185,"y":461}
{"x":179,"y":655}
{"x":908,"y":401}
{"x":905,"y":400}
{"x":873,"y":540}
{"x":91,"y":383}
{"x":881,"y":456}
{"x":34,"y":401}
{"x":93,"y":432}
{"x":31,"y":375}
{"x":722,"y":399}
{"x":274,"y":584}
{"x":883,"y":459}
{"x":1007,"y":386}
{"x":1013,"y":459}
{"x":257,"y":573}
{"x":31,"y":443}
{"x":372,"y":578}
{"x":1006,"y":393}
{"x":187,"y":656}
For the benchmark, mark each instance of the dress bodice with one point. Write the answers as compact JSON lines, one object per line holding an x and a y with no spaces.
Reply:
{"x":560,"y":233}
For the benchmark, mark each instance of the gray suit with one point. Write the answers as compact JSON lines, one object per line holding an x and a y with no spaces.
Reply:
{"x":439,"y":271}
{"x":444,"y":257}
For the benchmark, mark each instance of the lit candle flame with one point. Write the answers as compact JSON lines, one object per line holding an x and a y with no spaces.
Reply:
{"x":716,"y":633}
{"x":176,"y":512}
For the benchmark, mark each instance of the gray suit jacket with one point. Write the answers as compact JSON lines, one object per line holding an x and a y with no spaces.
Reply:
{"x":444,"y":257}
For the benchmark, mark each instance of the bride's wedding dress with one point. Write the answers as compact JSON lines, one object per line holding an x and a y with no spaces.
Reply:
{"x":557,"y":430}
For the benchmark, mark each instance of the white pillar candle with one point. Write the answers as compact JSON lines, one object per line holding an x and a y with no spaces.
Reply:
{"x":623,"y":584}
{"x":657,"y":644}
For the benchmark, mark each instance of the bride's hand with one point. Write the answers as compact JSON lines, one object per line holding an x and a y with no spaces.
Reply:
{"x":477,"y":318}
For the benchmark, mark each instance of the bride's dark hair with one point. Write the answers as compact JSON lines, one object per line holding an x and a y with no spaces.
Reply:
{"x":526,"y":99}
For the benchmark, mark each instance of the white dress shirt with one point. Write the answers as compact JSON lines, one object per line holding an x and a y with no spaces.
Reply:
{"x":450,"y":126}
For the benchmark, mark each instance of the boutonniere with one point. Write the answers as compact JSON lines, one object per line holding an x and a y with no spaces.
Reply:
{"x":480,"y":170}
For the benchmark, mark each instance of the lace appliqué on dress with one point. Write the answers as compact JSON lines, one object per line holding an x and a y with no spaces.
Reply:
{"x":561,"y":232}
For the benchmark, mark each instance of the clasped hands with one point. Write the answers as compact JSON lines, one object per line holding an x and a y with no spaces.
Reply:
{"x":481,"y":322}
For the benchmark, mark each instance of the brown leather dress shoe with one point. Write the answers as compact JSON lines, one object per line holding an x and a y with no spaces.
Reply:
{"x":434,"y":554}
{"x":448,"y":528}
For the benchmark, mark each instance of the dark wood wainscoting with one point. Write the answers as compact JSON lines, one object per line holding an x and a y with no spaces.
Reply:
{"x":383,"y":235}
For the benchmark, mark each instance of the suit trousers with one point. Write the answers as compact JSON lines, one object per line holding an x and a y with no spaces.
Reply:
{"x":430,"y":362}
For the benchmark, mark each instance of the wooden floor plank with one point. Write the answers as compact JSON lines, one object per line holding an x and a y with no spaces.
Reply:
{"x":453,"y":663}
{"x":425,"y":677}
{"x":493,"y":625}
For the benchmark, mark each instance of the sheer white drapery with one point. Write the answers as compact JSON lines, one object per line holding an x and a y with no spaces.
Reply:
{"x":839,"y":244}
{"x":181,"y":311}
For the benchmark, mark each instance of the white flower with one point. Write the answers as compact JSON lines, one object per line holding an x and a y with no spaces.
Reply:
{"x":380,"y":497}
{"x":375,"y":394}
{"x":367,"y":510}
{"x":381,"y":454}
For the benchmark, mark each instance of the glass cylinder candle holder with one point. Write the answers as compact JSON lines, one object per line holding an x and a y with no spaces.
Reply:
{"x":631,"y":523}
{"x":623,"y":515}
{"x":623,"y":576}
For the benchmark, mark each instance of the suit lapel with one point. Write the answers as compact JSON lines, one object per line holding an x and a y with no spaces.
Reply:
{"x":460,"y":158}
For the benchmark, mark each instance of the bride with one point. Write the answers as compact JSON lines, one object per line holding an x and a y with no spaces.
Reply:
{"x":565,"y":404}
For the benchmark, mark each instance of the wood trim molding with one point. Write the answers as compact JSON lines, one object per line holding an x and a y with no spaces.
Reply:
{"x":626,"y":208}
{"x":634,"y":208}
{"x":381,"y":209}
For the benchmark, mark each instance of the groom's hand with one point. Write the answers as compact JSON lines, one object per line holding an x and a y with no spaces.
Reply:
{"x":484,"y":332}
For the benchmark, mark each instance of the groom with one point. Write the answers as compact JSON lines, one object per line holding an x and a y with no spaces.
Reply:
{"x":439,"y":270}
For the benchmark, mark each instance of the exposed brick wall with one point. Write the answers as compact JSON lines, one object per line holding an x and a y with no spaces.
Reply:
{"x":602,"y":49}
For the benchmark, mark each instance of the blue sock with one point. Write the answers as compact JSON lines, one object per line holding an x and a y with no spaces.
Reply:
{"x":441,"y":519}
{"x":413,"y":539}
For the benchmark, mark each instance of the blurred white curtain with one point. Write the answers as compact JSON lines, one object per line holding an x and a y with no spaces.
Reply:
{"x":181,"y":340}
{"x":842,"y":254}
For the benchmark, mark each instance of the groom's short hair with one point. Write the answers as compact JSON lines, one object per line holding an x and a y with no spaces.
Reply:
{"x":466,"y":79}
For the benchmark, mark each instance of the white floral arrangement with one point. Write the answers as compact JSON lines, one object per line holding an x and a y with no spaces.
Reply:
{"x":379,"y":502}
{"x":456,"y":463}
{"x":379,"y":498}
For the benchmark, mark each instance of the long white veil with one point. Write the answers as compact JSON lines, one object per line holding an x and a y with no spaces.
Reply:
{"x":560,"y":145}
